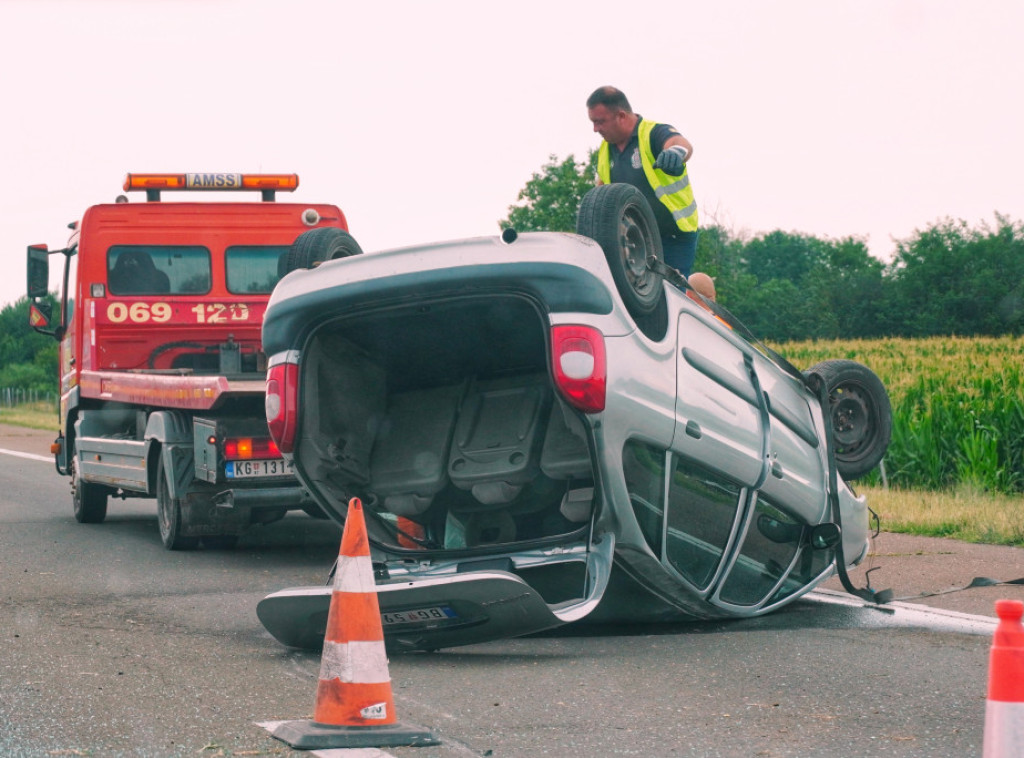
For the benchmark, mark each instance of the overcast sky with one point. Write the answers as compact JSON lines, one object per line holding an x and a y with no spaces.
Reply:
{"x":423,"y":120}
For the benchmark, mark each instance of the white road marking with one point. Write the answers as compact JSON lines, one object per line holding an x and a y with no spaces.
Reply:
{"x":30,"y":456}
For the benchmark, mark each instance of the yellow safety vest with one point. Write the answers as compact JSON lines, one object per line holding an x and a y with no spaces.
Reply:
{"x":674,"y":192}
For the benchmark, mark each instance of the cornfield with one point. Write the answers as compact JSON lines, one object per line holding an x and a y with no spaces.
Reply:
{"x":957,"y":402}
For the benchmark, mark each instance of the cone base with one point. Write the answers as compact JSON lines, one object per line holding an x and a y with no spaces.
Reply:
{"x":309,"y":735}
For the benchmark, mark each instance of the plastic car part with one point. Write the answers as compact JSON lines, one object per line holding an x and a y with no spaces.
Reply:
{"x":619,"y":219}
{"x":281,"y":402}
{"x":579,"y":366}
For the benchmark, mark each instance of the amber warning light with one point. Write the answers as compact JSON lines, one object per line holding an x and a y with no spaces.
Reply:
{"x":265,"y":183}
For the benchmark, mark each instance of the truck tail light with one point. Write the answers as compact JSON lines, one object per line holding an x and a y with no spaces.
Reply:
{"x":250,"y":448}
{"x":282,"y":404}
{"x":578,"y":362}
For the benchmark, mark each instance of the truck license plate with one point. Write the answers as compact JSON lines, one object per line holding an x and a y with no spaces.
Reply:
{"x":253,"y":469}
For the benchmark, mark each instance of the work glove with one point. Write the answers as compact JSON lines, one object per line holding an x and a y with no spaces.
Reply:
{"x":672,"y":160}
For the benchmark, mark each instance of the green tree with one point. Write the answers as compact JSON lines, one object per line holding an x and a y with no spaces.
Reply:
{"x":552,"y":196}
{"x":854,"y":281}
{"x":952,"y":279}
{"x":28,"y":360}
{"x":833,"y":288}
{"x":784,"y":255}
{"x":720,"y":256}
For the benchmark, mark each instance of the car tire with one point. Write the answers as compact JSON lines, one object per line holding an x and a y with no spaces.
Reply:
{"x":325,"y":243}
{"x":620,"y":220}
{"x":169,"y":514}
{"x":89,"y":500}
{"x":861,"y":415}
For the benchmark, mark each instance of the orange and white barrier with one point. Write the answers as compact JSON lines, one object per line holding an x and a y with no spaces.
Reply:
{"x":354,"y":702}
{"x":1004,"y":710}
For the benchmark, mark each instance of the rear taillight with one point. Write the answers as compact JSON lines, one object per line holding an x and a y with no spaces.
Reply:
{"x":282,"y":404}
{"x":578,"y":362}
{"x":250,"y":448}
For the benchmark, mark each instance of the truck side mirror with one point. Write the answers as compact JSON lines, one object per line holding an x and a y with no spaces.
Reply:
{"x":38,"y":271}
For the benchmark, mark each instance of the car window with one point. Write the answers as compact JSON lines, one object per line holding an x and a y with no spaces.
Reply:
{"x":808,"y":567}
{"x":254,"y":269}
{"x":158,"y":269}
{"x":771,"y":544}
{"x":702,"y":513}
{"x":644,"y":469}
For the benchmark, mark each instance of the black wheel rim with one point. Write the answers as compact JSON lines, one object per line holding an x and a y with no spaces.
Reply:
{"x":852,"y":420}
{"x":634,"y":248}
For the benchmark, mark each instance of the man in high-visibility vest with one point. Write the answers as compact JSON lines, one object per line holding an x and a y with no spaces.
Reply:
{"x":652,"y":157}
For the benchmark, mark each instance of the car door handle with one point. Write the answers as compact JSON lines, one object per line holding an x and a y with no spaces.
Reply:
{"x":693,"y":429}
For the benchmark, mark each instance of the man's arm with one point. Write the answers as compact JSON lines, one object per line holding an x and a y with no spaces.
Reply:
{"x":681,"y":141}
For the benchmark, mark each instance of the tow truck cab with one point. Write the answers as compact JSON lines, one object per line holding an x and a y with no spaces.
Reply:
{"x":162,"y":373}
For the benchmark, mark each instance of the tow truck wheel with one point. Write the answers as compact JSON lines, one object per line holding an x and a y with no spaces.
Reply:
{"x":89,"y":500}
{"x":861,"y":415}
{"x":168,"y":511}
{"x":619,"y":219}
{"x":326,"y":243}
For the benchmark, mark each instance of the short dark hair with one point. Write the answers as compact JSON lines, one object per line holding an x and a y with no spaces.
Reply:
{"x":611,"y":98}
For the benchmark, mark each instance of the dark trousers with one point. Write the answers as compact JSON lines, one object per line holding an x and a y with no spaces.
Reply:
{"x":681,"y":251}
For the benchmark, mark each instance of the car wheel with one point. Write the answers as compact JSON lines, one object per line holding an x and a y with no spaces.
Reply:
{"x":619,"y":219}
{"x":861,"y":415}
{"x":168,"y":511}
{"x":89,"y":500}
{"x":326,"y":243}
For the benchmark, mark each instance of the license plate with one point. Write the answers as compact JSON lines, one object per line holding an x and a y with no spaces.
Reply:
{"x":418,"y":615}
{"x":254,"y":469}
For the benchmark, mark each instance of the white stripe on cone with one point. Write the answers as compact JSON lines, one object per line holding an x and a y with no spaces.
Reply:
{"x":360,"y":662}
{"x":1004,"y":730}
{"x":354,"y":574}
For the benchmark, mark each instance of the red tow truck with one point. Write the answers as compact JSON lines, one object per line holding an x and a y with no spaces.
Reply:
{"x":162,"y":372}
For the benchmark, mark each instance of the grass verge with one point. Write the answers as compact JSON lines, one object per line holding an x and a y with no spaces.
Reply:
{"x":962,"y":514}
{"x":31,"y":415}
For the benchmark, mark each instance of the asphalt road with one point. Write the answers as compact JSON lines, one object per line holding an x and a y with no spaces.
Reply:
{"x":112,"y":646}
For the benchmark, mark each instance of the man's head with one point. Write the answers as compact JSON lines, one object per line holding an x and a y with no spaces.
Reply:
{"x":703,"y":284}
{"x":609,"y":112}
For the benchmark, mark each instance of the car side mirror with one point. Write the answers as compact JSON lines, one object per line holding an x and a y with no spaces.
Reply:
{"x":38,"y":271}
{"x":824,"y":536}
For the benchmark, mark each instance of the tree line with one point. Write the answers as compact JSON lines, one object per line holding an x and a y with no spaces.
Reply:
{"x":949,"y":279}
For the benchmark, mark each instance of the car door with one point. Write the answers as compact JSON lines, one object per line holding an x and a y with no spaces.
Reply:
{"x":720,"y":422}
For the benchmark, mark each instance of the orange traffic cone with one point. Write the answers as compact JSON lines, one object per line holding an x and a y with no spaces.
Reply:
{"x":354,"y":704}
{"x":1004,"y":711}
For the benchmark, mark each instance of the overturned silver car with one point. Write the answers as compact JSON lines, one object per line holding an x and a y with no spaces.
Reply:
{"x":547,"y":427}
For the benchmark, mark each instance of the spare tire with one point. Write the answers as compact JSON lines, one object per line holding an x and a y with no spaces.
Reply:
{"x":324,"y":243}
{"x":861,"y":415}
{"x":619,"y":219}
